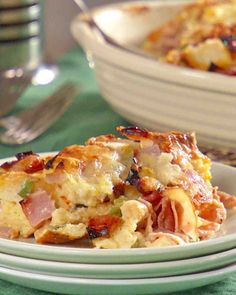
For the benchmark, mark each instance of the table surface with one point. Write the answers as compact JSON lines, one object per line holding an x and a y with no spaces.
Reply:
{"x":89,"y":116}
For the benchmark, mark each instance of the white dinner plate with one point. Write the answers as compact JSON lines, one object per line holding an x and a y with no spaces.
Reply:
{"x":223,"y":176}
{"x":114,"y":287}
{"x":120,"y":271}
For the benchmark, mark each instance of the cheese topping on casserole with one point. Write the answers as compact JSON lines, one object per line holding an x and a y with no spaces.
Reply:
{"x":149,"y":190}
{"x":200,"y":36}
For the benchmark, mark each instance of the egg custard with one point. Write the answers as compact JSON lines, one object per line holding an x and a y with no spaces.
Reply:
{"x":148,"y":190}
{"x":201,"y":36}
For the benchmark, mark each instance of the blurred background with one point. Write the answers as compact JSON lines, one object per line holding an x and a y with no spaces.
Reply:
{"x":57,"y":26}
{"x":40,"y":42}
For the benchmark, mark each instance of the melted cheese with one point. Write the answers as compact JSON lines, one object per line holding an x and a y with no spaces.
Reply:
{"x":220,"y":13}
{"x":210,"y":51}
{"x":161,"y":166}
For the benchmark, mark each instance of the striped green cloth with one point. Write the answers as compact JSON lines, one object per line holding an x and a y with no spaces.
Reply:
{"x":89,"y":116}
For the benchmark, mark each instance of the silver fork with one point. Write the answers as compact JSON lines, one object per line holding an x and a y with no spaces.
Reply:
{"x":12,"y":84}
{"x":32,"y":122}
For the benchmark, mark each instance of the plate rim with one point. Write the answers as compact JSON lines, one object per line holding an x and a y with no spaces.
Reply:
{"x":120,"y":271}
{"x":225,"y":270}
{"x":133,"y":286}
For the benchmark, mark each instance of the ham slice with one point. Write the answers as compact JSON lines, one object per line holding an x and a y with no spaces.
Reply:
{"x":166,"y":218}
{"x":55,"y":177}
{"x":228,"y":200}
{"x":38,"y":207}
{"x":200,"y":190}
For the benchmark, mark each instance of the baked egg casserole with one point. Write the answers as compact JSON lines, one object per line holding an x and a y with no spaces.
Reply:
{"x":201,"y":36}
{"x":147,"y":189}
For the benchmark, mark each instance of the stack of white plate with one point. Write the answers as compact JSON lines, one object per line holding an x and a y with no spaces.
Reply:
{"x":74,"y":269}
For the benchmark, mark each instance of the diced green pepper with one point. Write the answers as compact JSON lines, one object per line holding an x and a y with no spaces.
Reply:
{"x":27,"y":189}
{"x":136,"y":244}
{"x":115,"y":210}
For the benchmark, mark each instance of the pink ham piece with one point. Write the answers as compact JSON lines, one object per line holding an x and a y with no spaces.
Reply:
{"x":38,"y":207}
{"x":195,"y":183}
{"x":55,"y":178}
{"x":166,"y":218}
{"x":228,"y":200}
{"x":7,"y":232}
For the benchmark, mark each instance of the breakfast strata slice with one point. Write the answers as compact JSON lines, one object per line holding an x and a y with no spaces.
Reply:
{"x":147,"y":189}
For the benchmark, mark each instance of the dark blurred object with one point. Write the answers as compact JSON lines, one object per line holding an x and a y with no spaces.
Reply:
{"x":16,"y":3}
{"x":20,"y":34}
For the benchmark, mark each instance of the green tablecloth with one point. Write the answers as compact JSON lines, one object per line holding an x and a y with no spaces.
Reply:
{"x":88,"y":116}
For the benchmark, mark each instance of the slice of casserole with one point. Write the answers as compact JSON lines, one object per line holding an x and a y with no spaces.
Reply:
{"x":149,"y":190}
